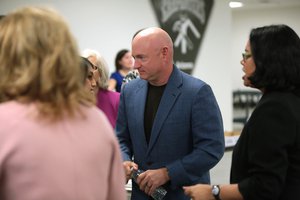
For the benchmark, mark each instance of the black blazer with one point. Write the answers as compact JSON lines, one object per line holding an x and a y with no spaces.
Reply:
{"x":266,"y":158}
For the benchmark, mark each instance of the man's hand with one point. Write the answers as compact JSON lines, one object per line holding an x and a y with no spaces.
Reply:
{"x":128,"y":166}
{"x":152,"y":179}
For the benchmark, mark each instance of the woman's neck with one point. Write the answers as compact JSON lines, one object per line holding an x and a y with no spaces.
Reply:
{"x":124,"y":72}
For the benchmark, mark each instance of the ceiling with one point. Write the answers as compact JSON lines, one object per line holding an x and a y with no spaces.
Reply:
{"x":268,"y":3}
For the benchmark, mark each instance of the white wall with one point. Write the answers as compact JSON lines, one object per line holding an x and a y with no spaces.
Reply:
{"x":214,"y":59}
{"x":108,"y":26}
{"x":242,"y":22}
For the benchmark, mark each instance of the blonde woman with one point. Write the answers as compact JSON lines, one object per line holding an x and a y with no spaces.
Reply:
{"x":54,"y":144}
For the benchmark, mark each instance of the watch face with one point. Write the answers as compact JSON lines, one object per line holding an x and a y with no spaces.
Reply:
{"x":215,"y":190}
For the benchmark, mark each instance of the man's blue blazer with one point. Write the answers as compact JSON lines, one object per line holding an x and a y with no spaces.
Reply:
{"x":187,"y":134}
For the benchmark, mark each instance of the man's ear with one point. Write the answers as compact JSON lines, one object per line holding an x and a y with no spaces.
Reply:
{"x":165,"y":51}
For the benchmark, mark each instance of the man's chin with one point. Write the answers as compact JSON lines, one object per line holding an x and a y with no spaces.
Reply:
{"x":143,"y":77}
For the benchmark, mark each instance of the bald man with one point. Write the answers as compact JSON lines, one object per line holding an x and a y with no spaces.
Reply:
{"x":169,"y":123}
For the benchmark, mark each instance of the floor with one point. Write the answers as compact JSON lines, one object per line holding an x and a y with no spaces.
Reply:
{"x":221,"y":172}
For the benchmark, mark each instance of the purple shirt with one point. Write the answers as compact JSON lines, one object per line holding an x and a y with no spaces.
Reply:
{"x":108,"y":102}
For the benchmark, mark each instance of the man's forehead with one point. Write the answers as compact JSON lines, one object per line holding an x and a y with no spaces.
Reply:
{"x":140,"y":44}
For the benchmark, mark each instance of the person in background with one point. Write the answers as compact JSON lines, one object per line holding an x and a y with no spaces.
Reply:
{"x":54,"y":144}
{"x":169,"y":123}
{"x":124,"y":63}
{"x":133,"y":74}
{"x":89,"y":80}
{"x":107,"y":101}
{"x":266,"y":158}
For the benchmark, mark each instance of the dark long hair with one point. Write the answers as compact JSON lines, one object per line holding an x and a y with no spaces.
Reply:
{"x":119,"y":57}
{"x":276,"y":53}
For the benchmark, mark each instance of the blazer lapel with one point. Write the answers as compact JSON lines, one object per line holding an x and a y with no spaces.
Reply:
{"x":138,"y":112}
{"x":171,"y":93}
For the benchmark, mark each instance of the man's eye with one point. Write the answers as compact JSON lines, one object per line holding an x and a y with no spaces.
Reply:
{"x":142,"y":58}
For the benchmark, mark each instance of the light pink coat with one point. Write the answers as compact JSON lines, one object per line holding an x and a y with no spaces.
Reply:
{"x":76,"y":159}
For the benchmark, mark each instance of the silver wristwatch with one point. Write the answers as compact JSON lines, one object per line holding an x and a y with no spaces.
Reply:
{"x":215,"y":190}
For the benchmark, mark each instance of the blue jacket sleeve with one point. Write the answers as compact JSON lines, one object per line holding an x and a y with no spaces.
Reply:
{"x":208,"y":141}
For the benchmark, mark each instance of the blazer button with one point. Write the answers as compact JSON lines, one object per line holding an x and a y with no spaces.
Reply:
{"x":149,"y":163}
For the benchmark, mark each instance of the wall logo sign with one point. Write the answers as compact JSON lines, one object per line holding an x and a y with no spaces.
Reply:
{"x":185,"y":21}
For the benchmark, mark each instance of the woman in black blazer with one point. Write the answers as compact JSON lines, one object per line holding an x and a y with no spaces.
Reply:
{"x":266,"y":158}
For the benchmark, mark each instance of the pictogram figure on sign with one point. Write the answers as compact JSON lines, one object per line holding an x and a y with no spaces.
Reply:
{"x":182,"y":26}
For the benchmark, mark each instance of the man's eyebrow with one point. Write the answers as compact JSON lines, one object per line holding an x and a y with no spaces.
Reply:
{"x":139,"y":55}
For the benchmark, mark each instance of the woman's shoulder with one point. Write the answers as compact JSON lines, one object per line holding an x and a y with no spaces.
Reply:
{"x":278,"y":105}
{"x":14,"y":109}
{"x":9,"y":105}
{"x":108,"y":94}
{"x":94,"y":116}
{"x":116,"y":74}
{"x":282,"y":100}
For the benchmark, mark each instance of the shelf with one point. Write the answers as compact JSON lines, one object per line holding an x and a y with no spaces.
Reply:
{"x":244,"y":102}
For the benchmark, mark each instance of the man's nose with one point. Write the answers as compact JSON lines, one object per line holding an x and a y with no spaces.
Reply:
{"x":136,"y":64}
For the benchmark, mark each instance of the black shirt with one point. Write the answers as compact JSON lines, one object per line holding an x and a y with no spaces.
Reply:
{"x":152,"y":102}
{"x":266,"y":158}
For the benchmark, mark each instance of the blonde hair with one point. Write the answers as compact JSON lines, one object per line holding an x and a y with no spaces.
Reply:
{"x":101,"y":66}
{"x":39,"y":63}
